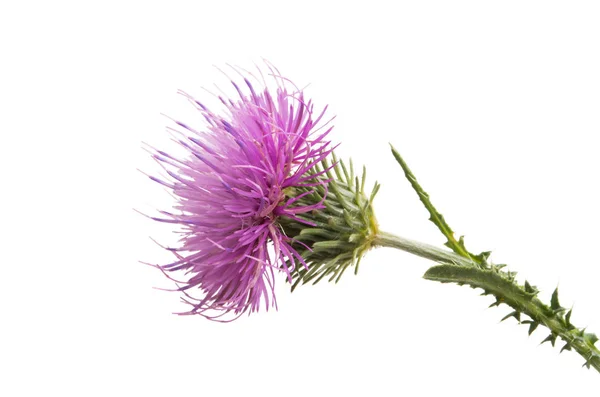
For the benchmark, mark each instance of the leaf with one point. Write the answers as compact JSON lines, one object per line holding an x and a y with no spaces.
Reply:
{"x":568,"y":318}
{"x":530,"y":289}
{"x":497,"y":303}
{"x":523,"y":301}
{"x":457,"y":246}
{"x":590,"y":338}
{"x":532,"y":326}
{"x":554,"y":304}
{"x":550,"y":338}
{"x":515,"y":314}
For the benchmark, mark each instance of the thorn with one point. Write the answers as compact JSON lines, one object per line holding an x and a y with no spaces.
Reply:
{"x":533,"y":326}
{"x":567,"y":346}
{"x":550,"y":338}
{"x":554,"y":304}
{"x":497,"y":303}
{"x":515,"y":314}
{"x":568,"y":317}
{"x":587,"y":364}
{"x":484,"y":256}
{"x":531,"y":289}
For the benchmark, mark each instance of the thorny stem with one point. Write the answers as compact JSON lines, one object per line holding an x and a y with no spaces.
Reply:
{"x":458,"y":269}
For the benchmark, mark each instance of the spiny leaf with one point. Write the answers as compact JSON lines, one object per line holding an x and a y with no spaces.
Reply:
{"x":568,"y":318}
{"x":554,"y":304}
{"x":550,"y":338}
{"x":515,"y":314}
{"x":531,"y":289}
{"x":532,"y":325}
{"x":567,"y":346}
{"x":498,"y":302}
{"x":435,"y":216}
{"x":521,"y":299}
{"x":483,"y":256}
{"x":591,"y":338}
{"x":589,"y":361}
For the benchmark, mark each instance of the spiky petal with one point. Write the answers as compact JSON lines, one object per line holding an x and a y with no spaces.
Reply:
{"x":231,"y":193}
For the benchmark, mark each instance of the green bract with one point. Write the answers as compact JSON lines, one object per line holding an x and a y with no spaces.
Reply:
{"x":343,"y":231}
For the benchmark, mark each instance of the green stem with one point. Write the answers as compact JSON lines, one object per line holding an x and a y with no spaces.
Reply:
{"x":454,"y":268}
{"x":423,"y":250}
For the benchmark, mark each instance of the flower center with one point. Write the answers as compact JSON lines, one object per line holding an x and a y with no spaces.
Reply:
{"x":275,"y":197}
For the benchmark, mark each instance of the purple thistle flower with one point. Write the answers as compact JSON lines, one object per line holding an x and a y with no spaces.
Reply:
{"x":233,"y":188}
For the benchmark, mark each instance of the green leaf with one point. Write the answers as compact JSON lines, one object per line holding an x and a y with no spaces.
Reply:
{"x":554,"y":304}
{"x":501,"y":285}
{"x":514,"y":314}
{"x":590,"y":338}
{"x":497,"y":303}
{"x":457,"y":246}
{"x":533,"y":326}
{"x":532,"y":290}
{"x":550,"y":338}
{"x":568,"y":318}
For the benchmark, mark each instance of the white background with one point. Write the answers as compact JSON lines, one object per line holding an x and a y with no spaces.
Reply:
{"x":493,"y":104}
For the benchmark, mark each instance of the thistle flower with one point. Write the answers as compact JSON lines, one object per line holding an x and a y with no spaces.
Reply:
{"x":256,"y":194}
{"x":232,"y":193}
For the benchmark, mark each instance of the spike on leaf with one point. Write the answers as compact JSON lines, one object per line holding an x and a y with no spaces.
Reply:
{"x":484,"y":256}
{"x":515,"y":314}
{"x":497,"y":303}
{"x":567,"y":346}
{"x":530,"y":289}
{"x":550,"y":338}
{"x":568,"y":318}
{"x":554,"y":304}
{"x":532,"y":325}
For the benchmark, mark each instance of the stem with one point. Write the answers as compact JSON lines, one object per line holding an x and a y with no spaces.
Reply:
{"x":423,"y":250}
{"x":454,"y":268}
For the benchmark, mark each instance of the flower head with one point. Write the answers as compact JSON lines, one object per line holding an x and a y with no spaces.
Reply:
{"x":342,"y":232}
{"x":233,"y":189}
